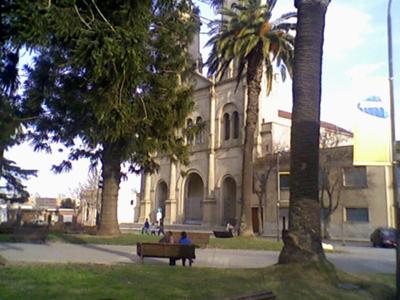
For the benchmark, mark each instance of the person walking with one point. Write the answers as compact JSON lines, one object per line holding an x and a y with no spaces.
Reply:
{"x":161,"y":227}
{"x":146,"y":227}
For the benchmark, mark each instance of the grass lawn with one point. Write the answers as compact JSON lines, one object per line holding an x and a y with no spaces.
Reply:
{"x":253,"y":243}
{"x":299,"y":282}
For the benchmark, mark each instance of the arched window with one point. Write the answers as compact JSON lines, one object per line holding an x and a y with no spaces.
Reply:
{"x":199,"y":134}
{"x":227,"y":127}
{"x":235,"y":117}
{"x":189,"y":135}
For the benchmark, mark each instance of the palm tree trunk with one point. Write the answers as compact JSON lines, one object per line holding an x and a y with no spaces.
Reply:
{"x":1,"y":160}
{"x":111,"y":175}
{"x":254,"y":76}
{"x":303,"y":239}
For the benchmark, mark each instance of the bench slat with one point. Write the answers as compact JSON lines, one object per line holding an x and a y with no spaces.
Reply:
{"x":200,"y":239}
{"x":165,"y":250}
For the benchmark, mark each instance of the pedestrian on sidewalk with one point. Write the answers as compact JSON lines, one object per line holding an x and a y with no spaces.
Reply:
{"x":161,"y":227}
{"x":153,"y":229}
{"x":146,"y":227}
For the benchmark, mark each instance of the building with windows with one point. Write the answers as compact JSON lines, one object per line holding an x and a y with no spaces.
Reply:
{"x":207,"y":192}
{"x":354,"y":199}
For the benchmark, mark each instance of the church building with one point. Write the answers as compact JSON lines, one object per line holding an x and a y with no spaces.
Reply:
{"x":207,"y":192}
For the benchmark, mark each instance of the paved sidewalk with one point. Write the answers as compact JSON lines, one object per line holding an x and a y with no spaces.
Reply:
{"x":111,"y":254}
{"x":349,"y":258}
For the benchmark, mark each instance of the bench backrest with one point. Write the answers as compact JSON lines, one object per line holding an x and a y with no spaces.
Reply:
{"x":30,"y":234}
{"x":200,"y":239}
{"x":165,"y":250}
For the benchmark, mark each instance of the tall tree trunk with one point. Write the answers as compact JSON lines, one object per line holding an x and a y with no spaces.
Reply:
{"x":260,"y":213}
{"x":111,"y":175}
{"x":254,"y":76}
{"x":303,"y":239}
{"x":1,"y":161}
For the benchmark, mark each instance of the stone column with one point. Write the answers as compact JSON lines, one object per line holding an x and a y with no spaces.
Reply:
{"x":209,"y":203}
{"x":170,"y":203}
{"x":145,"y":203}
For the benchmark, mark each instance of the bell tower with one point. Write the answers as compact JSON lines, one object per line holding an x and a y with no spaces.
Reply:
{"x":194,"y":48}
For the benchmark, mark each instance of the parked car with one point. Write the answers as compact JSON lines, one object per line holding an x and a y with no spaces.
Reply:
{"x":384,"y":237}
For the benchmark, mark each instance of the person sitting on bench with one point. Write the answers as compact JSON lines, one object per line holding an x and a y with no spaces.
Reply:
{"x":229,"y":228}
{"x":184,"y":240}
{"x":168,"y":238}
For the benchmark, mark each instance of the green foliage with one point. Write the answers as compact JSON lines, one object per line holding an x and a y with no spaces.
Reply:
{"x":11,"y":116}
{"x":67,"y":203}
{"x":106,"y":75}
{"x":243,"y":27}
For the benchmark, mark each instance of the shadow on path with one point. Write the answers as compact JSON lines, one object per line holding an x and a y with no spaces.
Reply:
{"x":9,"y":246}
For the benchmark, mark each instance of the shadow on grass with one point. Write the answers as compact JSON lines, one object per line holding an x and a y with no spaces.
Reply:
{"x":76,"y":239}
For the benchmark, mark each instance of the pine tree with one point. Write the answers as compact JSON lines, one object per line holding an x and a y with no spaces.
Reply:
{"x":11,"y":117}
{"x":109,"y":82}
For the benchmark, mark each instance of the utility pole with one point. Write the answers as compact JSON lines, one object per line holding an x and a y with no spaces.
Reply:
{"x":278,"y":190}
{"x":393,"y":141}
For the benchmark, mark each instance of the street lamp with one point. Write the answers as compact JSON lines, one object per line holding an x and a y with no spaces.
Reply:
{"x":393,"y":142}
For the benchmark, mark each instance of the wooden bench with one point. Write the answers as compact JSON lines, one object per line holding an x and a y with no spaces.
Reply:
{"x":223,"y":234}
{"x":176,"y":251}
{"x":30,"y":234}
{"x":200,"y":239}
{"x":262,"y":295}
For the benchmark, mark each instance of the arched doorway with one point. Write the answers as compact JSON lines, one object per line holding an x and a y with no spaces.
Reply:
{"x":194,"y":199}
{"x":161,"y":196}
{"x":229,"y":201}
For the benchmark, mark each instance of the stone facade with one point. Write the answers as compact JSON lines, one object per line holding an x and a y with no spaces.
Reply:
{"x":207,"y":192}
{"x":361,"y":200}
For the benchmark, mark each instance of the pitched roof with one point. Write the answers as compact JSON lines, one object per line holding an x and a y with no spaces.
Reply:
{"x":326,"y":125}
{"x":45,"y":202}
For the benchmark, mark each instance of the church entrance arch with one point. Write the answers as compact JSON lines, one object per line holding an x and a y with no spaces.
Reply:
{"x":194,"y":191}
{"x":229,"y":201}
{"x":161,"y":196}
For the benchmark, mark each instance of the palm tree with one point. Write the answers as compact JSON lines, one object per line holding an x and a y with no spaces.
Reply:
{"x":246,"y":35}
{"x":303,"y":239}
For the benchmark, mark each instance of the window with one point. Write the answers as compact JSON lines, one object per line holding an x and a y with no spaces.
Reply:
{"x":199,"y":133}
{"x":189,"y":135}
{"x":284,"y":181}
{"x":235,"y":117}
{"x":357,"y":215}
{"x":227,"y":127}
{"x":324,"y":213}
{"x":355,"y":177}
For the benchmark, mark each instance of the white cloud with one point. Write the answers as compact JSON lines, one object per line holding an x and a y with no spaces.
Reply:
{"x":367,"y":80}
{"x":360,"y":72}
{"x":346,"y":29}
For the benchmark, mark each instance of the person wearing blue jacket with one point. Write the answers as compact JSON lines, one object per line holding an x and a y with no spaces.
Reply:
{"x":184,"y":240}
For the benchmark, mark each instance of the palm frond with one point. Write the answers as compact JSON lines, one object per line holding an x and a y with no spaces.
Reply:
{"x":284,"y":18}
{"x":243,"y":26}
{"x":271,"y":4}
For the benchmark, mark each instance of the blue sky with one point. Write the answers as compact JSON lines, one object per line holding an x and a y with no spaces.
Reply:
{"x":354,"y":67}
{"x":355,"y":54}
